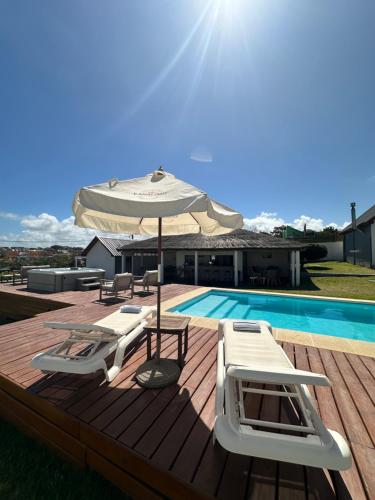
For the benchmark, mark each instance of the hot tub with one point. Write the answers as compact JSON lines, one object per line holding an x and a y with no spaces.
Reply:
{"x":60,"y":279}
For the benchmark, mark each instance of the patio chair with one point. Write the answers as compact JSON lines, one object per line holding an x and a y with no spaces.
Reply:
{"x":272,"y":277}
{"x":255,"y":276}
{"x":88,"y":346}
{"x":150,"y":278}
{"x":120,"y":283}
{"x":250,"y":363}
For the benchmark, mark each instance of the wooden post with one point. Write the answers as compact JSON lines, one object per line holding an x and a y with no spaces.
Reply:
{"x":292,"y":269}
{"x":298,"y":268}
{"x":196,"y":268}
{"x":235,"y":262}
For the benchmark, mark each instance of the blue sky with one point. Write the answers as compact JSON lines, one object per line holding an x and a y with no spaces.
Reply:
{"x":267,"y":105}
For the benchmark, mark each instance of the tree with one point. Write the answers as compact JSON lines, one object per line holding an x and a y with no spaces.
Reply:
{"x":278,"y":231}
{"x":330,"y":229}
{"x":62,"y":260}
{"x":313,"y":253}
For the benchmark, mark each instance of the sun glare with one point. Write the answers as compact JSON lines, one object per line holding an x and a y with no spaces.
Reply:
{"x":228,"y":13}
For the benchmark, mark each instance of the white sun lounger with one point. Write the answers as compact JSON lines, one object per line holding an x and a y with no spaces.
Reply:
{"x":94,"y":344}
{"x":245,"y":357}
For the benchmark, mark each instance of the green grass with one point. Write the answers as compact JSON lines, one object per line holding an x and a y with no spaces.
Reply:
{"x":340,"y":287}
{"x":361,"y":288}
{"x":332,"y":267}
{"x":29,"y":471}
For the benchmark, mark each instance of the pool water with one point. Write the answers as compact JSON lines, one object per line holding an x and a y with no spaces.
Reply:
{"x":327,"y":317}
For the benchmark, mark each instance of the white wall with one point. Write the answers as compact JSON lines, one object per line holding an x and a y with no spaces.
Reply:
{"x":98,"y":256}
{"x":335,"y":250}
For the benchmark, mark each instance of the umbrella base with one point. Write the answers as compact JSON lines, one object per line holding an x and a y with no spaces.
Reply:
{"x":153,"y":374}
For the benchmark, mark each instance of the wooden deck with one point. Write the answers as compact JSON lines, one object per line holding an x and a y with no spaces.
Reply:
{"x":156,"y":443}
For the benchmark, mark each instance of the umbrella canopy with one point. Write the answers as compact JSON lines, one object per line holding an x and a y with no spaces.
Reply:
{"x":151,"y":205}
{"x":134,"y":206}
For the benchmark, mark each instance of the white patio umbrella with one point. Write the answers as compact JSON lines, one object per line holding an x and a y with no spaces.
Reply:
{"x":151,"y":205}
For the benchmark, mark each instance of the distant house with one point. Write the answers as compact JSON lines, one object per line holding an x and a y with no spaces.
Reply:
{"x":103,"y":253}
{"x":230,"y":258}
{"x":290,"y":232}
{"x":359,"y":245}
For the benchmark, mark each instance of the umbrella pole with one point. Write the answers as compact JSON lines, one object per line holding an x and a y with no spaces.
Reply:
{"x":157,"y":373}
{"x":158,"y":335}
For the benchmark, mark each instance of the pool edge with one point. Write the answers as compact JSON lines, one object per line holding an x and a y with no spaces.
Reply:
{"x":359,"y":347}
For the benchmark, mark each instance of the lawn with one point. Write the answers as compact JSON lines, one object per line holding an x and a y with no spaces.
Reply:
{"x":348,"y":288}
{"x":332,"y":286}
{"x":30,"y":471}
{"x":332,"y":267}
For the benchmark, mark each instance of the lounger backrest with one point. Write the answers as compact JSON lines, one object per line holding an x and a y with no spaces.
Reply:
{"x":122,"y":281}
{"x":150,"y":278}
{"x":258,"y":357}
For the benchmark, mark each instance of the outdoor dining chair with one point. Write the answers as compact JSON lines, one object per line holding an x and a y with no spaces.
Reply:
{"x":150,"y":278}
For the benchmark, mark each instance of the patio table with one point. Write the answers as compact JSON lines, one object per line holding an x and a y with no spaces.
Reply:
{"x":172,"y":325}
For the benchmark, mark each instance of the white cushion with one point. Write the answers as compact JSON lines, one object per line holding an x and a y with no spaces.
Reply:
{"x":254,"y":350}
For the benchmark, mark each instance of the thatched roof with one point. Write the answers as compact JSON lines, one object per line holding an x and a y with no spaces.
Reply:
{"x":241,"y":239}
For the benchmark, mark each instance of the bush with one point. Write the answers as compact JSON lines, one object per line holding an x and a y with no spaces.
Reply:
{"x":313,"y":253}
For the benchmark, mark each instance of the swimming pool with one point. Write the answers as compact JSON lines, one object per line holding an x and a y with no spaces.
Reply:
{"x":327,"y":317}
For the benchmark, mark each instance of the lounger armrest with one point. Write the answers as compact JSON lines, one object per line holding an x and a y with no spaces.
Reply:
{"x":278,"y":377}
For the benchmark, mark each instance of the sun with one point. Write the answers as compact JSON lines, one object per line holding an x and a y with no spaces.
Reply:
{"x":228,"y":12}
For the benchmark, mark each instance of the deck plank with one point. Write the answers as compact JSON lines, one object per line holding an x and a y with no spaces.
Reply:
{"x":136,"y":430}
{"x":349,"y":481}
{"x":263,"y":480}
{"x":364,"y":405}
{"x":151,"y":440}
{"x":355,"y":429}
{"x":291,"y":477}
{"x":364,"y":374}
{"x":190,"y":454}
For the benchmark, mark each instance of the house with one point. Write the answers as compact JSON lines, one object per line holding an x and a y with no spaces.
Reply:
{"x":103,"y":253}
{"x":359,"y":245}
{"x":228,"y":259}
